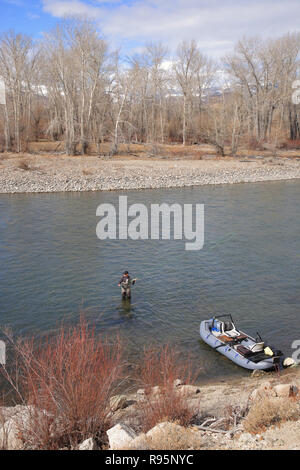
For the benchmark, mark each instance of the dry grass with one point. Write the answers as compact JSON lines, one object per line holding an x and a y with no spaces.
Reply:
{"x":46,"y":146}
{"x":4,"y":156}
{"x":160,"y":368}
{"x":155,"y":151}
{"x":291,"y":145}
{"x":183,"y":440}
{"x":270,"y":411}
{"x":71,"y":377}
{"x":177,"y":438}
{"x":136,"y":150}
{"x":168,"y":436}
{"x":254,"y":144}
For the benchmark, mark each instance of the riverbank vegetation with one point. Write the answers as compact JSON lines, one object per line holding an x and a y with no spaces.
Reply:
{"x":68,"y":383}
{"x":75,"y":94}
{"x":67,"y":389}
{"x":158,"y":373}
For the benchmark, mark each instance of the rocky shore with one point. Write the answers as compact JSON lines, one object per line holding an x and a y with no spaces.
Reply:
{"x":42,"y":173}
{"x":235,"y":416}
{"x":258,"y":413}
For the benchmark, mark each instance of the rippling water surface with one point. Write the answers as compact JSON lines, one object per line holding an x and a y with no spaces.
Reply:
{"x":53,"y":266}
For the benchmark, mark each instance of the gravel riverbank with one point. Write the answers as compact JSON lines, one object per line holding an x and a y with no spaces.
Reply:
{"x":38,"y":174}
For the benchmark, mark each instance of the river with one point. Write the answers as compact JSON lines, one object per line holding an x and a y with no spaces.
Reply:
{"x":53,"y":267}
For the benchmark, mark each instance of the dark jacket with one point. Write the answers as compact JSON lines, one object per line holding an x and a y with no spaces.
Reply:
{"x":125,"y":282}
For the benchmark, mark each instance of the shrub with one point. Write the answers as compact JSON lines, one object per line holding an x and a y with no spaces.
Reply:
{"x":269,"y":411}
{"x":160,"y":368}
{"x":176,"y":440}
{"x":173,"y":437}
{"x":291,"y":144}
{"x":69,"y":379}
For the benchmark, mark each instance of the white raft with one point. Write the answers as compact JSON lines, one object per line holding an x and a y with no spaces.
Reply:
{"x":239,"y":347}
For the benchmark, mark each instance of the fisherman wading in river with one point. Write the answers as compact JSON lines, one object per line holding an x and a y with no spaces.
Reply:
{"x":125,"y":284}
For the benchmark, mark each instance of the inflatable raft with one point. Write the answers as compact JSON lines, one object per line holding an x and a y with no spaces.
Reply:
{"x":239,"y":347}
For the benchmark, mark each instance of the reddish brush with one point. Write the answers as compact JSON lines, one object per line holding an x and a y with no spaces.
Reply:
{"x":71,"y":377}
{"x":167,"y":403}
{"x":292,"y":144}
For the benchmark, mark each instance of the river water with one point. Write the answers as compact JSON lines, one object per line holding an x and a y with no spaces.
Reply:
{"x":53,"y":267}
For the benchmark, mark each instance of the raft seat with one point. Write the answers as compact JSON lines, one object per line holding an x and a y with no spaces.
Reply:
{"x":224,"y":338}
{"x":233,"y":333}
{"x":258,"y":347}
{"x":244,"y":351}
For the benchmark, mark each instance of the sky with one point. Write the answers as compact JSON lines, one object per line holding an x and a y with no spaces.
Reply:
{"x":216,"y":25}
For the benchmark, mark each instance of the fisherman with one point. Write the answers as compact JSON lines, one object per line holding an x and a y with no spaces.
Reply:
{"x":125,"y":284}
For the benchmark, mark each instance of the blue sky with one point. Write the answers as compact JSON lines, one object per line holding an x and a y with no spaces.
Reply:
{"x":215,"y":24}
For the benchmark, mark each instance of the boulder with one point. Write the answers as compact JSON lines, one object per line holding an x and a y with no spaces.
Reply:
{"x":265,"y":390}
{"x":16,"y":420}
{"x":177,"y":383}
{"x":139,"y":443}
{"x":10,"y":436}
{"x":120,"y":436}
{"x":289,"y":362}
{"x":88,"y":444}
{"x":285,"y":390}
{"x":7,"y":412}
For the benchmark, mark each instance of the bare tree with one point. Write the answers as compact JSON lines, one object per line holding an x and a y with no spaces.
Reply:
{"x":78,"y":58}
{"x":264,"y":70}
{"x":17,"y":63}
{"x":185,"y":68}
{"x":80,"y":92}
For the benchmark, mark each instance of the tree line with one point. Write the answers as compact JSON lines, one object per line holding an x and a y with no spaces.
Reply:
{"x":72,"y":87}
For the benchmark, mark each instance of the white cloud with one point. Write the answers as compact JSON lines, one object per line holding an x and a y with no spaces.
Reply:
{"x":215,"y":24}
{"x":70,"y":7}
